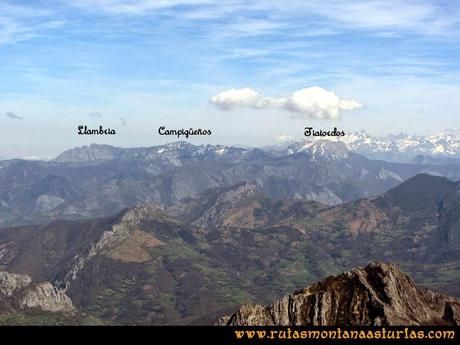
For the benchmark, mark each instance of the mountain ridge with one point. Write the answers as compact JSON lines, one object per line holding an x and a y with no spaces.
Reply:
{"x":440,"y":148}
{"x":378,"y":294}
{"x":228,"y":246}
{"x":37,"y":191}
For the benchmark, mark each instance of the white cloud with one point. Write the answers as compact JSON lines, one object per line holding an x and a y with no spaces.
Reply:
{"x":134,"y":7}
{"x":318,"y":103}
{"x":21,"y":23}
{"x":242,"y":98}
{"x":377,"y":13}
{"x":427,"y":17}
{"x":249,"y":27}
{"x":312,"y":102}
{"x":421,"y":16}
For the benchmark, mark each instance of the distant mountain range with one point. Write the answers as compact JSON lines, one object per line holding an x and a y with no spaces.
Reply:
{"x":98,"y":180}
{"x":201,"y":257}
{"x":443,"y":148}
{"x":175,"y":154}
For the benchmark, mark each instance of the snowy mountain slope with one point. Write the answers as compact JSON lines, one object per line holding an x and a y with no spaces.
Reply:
{"x":444,"y":147}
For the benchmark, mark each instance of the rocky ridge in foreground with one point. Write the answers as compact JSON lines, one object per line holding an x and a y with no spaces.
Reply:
{"x":377,"y":294}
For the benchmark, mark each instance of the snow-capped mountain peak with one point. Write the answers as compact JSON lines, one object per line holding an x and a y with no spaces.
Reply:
{"x":398,"y":148}
{"x":321,"y":150}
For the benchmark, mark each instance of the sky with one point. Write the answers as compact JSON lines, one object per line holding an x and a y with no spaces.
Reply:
{"x":254,"y":72}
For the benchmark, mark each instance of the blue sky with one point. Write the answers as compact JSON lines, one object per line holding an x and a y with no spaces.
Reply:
{"x":141,"y":64}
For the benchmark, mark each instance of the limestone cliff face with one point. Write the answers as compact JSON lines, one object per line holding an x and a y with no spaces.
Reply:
{"x":18,"y":292}
{"x":10,"y":283}
{"x":47,"y":298}
{"x":378,"y":294}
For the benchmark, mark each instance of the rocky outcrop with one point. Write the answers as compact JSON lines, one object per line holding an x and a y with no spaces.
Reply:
{"x":123,"y":236}
{"x":378,"y":294}
{"x":10,"y":283}
{"x":47,"y":298}
{"x":232,"y":208}
{"x":216,"y":206}
{"x":18,"y":291}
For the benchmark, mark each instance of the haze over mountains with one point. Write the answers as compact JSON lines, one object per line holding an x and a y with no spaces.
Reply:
{"x":99,"y":180}
{"x":198,"y":259}
{"x":178,"y":233}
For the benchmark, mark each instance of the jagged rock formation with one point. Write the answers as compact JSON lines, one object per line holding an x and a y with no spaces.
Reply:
{"x":123,"y":242}
{"x":378,"y":294}
{"x":18,"y":292}
{"x":47,"y":298}
{"x":10,"y":283}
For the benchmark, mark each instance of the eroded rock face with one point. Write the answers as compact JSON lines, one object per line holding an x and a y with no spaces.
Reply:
{"x":48,"y":298}
{"x":378,"y":294}
{"x":17,"y":290}
{"x":10,"y":283}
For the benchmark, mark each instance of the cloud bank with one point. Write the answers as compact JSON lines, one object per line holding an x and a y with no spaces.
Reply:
{"x":312,"y":102}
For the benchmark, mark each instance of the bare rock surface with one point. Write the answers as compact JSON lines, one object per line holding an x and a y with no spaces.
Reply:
{"x":10,"y":283}
{"x":18,"y":291}
{"x":377,"y":294}
{"x":47,"y":298}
